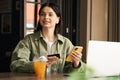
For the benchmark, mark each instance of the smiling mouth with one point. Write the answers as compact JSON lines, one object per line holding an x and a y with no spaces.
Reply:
{"x":46,"y":22}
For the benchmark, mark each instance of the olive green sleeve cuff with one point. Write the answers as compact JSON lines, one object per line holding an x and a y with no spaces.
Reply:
{"x":21,"y":66}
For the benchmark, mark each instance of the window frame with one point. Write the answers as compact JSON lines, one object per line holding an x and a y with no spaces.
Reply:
{"x":36,"y":4}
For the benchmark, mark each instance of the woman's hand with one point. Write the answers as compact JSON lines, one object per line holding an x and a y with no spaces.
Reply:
{"x":76,"y":56}
{"x":51,"y":60}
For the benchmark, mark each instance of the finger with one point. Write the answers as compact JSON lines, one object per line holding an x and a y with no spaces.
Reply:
{"x":76,"y":57}
{"x":76,"y":54}
{"x":49,"y":63}
{"x":53,"y":58}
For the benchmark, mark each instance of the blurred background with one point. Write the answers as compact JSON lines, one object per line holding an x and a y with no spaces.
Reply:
{"x":83,"y":20}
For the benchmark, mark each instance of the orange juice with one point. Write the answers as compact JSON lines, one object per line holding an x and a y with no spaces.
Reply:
{"x":40,"y":68}
{"x":75,"y":48}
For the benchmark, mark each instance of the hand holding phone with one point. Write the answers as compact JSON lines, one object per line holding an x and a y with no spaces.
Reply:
{"x":57,"y":55}
{"x":75,"y":48}
{"x":52,"y":58}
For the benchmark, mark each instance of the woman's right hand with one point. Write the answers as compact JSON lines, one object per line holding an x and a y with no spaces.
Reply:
{"x":51,"y":60}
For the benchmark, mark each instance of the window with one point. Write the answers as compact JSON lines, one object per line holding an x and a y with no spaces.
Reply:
{"x":32,"y":8}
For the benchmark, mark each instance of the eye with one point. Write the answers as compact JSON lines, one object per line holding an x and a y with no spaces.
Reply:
{"x":50,"y":14}
{"x":42,"y":14}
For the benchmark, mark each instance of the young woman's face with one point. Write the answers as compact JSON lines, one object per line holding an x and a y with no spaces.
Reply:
{"x":48,"y":17}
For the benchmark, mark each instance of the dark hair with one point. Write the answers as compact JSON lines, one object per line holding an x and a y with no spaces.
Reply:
{"x":58,"y":27}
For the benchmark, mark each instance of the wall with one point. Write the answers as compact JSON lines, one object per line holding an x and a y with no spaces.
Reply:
{"x":113,"y":20}
{"x":99,"y":22}
{"x":103,"y":20}
{"x":83,"y":27}
{"x":11,"y":35}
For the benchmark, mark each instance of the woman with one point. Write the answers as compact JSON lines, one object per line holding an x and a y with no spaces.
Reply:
{"x":45,"y":41}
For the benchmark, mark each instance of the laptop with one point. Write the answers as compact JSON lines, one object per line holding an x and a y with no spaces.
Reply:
{"x":104,"y":58}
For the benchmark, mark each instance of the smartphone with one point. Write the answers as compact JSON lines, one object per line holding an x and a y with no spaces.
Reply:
{"x":75,"y":48}
{"x":57,"y":55}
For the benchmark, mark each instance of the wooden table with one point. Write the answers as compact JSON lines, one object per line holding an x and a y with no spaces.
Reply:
{"x":31,"y":76}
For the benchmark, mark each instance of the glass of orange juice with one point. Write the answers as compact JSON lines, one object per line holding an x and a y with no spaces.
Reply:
{"x":40,"y":67}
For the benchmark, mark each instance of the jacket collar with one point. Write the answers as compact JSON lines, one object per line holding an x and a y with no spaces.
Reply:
{"x":38,"y":35}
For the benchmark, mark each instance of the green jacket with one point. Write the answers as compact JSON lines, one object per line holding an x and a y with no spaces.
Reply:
{"x":33,"y":45}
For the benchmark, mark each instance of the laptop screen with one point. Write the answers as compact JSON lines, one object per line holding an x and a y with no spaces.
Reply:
{"x":104,"y":57}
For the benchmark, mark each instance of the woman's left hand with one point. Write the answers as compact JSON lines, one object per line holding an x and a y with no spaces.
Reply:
{"x":76,"y":56}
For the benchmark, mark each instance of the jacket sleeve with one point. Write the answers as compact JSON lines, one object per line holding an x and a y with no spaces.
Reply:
{"x":20,"y":58}
{"x":69,"y":67}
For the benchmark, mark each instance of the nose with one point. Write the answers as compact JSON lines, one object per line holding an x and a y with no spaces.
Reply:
{"x":46,"y":16}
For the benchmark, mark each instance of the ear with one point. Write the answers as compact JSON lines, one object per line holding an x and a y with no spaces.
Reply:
{"x":58,"y":19}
